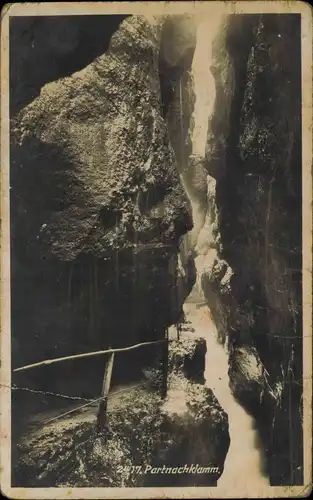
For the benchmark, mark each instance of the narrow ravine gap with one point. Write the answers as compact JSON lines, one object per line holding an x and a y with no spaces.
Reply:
{"x":204,"y":87}
{"x":244,"y":464}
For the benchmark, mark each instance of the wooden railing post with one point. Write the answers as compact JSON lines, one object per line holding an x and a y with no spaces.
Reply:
{"x":178,"y":330}
{"x":164,"y":366}
{"x":102,"y":419}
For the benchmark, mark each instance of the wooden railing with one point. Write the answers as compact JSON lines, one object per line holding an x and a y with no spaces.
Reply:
{"x":103,"y":400}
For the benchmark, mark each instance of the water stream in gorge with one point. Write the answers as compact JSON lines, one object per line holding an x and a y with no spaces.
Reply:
{"x":244,"y":462}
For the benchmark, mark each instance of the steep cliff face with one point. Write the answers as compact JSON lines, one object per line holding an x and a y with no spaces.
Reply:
{"x":97,"y":205}
{"x":253,"y":266}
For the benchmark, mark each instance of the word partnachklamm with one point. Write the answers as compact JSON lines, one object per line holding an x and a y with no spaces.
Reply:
{"x":184,"y":469}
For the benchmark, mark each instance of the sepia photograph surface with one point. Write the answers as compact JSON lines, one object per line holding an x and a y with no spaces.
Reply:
{"x":156,"y":250}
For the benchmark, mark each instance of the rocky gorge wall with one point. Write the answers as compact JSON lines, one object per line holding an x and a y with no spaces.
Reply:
{"x":251,"y":241}
{"x":97,"y":206}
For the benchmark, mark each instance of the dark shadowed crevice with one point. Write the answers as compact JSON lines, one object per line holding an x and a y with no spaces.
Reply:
{"x":46,"y":48}
{"x":228,"y":198}
{"x":175,"y":58}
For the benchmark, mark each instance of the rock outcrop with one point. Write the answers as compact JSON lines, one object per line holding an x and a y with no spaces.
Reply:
{"x":98,"y":208}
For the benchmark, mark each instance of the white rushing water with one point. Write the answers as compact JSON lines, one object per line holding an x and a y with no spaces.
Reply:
{"x":204,"y":87}
{"x":244,"y":462}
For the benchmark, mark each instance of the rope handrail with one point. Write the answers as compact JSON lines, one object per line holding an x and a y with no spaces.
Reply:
{"x":92,"y":401}
{"x":87,"y":354}
{"x":73,"y":410}
{"x":48,"y":393}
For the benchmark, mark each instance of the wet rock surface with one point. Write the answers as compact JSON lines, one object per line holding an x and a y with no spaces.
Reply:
{"x":188,"y":357}
{"x":246,"y":374}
